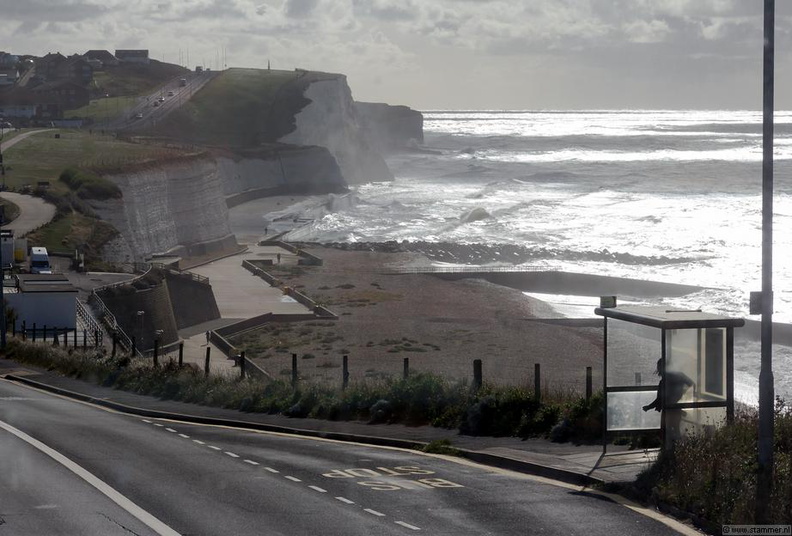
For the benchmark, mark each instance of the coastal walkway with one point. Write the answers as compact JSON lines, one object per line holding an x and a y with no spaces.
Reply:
{"x":240,"y":295}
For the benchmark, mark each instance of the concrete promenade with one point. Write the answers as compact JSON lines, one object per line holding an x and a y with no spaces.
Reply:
{"x":240,"y":295}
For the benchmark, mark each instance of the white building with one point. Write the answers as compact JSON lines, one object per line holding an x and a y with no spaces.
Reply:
{"x":42,"y":299}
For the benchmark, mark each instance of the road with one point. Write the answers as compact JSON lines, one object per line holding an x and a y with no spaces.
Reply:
{"x":166,"y":477}
{"x":158,"y":104}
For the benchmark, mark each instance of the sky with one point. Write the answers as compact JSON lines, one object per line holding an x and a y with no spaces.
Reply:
{"x":447,"y":54}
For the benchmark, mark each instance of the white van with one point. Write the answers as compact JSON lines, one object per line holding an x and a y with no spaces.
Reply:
{"x":39,"y":261}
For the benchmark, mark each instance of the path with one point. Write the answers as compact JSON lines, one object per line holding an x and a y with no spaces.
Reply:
{"x":33,"y":211}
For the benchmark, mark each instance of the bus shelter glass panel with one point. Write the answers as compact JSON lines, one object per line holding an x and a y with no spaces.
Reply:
{"x":633,"y":351}
{"x":689,"y":422}
{"x":695,"y":368}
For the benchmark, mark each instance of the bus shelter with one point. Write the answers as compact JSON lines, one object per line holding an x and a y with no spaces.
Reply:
{"x":667,"y":369}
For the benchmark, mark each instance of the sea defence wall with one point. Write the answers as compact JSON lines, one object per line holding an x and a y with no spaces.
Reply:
{"x":331,"y":120}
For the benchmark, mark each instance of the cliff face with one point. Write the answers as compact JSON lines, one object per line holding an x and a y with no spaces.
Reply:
{"x":391,"y":128}
{"x":331,"y":121}
{"x":177,"y":203}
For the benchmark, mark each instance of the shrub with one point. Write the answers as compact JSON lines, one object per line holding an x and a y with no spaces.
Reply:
{"x":88,"y":185}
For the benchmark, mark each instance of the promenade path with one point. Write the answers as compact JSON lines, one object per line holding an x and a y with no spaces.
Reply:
{"x":239,"y":295}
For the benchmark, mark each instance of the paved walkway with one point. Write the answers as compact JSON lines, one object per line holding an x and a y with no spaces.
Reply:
{"x":240,"y":294}
{"x":33,"y":213}
{"x":564,"y":461}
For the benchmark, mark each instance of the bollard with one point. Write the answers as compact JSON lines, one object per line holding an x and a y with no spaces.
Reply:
{"x":134,"y":346}
{"x":24,"y":331}
{"x":34,"y":332}
{"x":294,"y":371}
{"x":345,"y":372}
{"x":206,"y":364}
{"x":588,"y":383}
{"x":537,"y":383}
{"x":156,"y":352}
{"x":477,"y":375}
{"x":181,"y":354}
{"x":406,"y":367}
{"x":242,"y":365}
{"x":115,"y":342}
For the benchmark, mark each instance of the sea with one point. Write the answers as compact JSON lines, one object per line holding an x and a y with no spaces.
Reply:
{"x":662,"y":195}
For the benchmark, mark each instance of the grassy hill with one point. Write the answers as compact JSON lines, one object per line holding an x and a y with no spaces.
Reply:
{"x":241,"y":108}
{"x":134,"y":80}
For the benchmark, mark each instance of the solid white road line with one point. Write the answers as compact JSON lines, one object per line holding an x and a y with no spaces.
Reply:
{"x":143,"y":516}
{"x":292,"y":478}
{"x":317,"y":488}
{"x":251,"y":462}
{"x":374,"y":512}
{"x":345,"y":500}
{"x":407,"y":525}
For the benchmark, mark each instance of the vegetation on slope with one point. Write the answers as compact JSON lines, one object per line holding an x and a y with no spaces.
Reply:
{"x":238,"y":108}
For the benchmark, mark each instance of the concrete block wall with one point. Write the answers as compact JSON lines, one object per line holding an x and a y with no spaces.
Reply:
{"x":193,"y":301}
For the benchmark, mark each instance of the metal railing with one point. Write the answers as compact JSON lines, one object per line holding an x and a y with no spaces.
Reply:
{"x":88,"y":321}
{"x":112,"y":325}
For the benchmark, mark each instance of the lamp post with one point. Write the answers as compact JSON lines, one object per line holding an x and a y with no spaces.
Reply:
{"x":140,"y":315}
{"x":766,"y":388}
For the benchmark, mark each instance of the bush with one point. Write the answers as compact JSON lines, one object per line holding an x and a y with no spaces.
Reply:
{"x":89,"y":185}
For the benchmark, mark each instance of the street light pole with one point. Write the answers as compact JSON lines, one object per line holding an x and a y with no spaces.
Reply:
{"x":766,"y":383}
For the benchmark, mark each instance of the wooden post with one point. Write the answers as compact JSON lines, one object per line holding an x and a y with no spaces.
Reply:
{"x":181,"y":354}
{"x":206,"y":365}
{"x":406,"y":367}
{"x":34,"y":332}
{"x":242,"y":365}
{"x":537,"y":383}
{"x":75,"y":337}
{"x":96,"y":338}
{"x":115,"y":342}
{"x":55,"y":341}
{"x":478,"y":378}
{"x":588,"y":383}
{"x":156,"y":352}
{"x":24,"y":330}
{"x":294,"y":371}
{"x":85,"y":339}
{"x":345,"y":372}
{"x":45,"y":333}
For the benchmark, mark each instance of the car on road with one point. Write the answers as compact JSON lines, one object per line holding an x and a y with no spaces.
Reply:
{"x":139,"y":116}
{"x":170,"y":93}
{"x":156,"y":103}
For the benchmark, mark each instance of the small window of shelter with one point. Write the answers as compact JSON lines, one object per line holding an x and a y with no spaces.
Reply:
{"x":667,"y":369}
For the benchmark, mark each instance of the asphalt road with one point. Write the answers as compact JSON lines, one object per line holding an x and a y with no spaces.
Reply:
{"x":167,"y":478}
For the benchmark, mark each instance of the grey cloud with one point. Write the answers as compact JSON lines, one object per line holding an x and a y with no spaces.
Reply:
{"x":38,"y":11}
{"x":300,"y":8}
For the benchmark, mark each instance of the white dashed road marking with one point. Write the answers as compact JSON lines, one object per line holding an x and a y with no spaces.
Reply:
{"x":288,"y":477}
